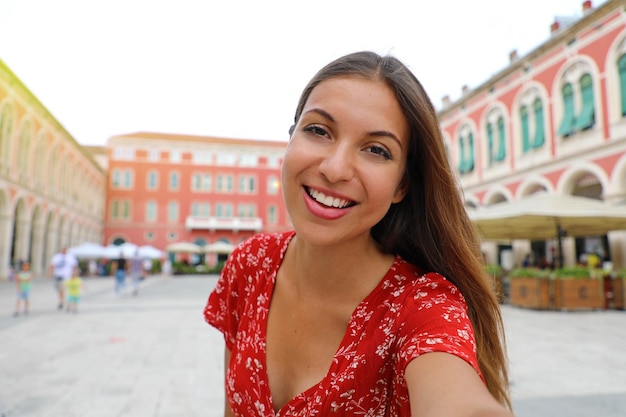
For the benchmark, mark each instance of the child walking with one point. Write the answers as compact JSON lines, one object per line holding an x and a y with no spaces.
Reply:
{"x":24,"y":281}
{"x":74,"y":286}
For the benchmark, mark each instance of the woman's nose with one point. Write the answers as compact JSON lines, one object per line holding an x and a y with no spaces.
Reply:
{"x":338,"y":164}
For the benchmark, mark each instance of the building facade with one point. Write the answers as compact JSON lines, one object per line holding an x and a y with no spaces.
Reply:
{"x":553,"y":121}
{"x":51,"y":189}
{"x":164,"y":188}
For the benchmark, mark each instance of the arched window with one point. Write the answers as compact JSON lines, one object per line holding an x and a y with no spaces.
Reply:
{"x":490,"y":144}
{"x":586,"y":119}
{"x":540,"y":136}
{"x":569,"y":118}
{"x":501,"y":140}
{"x":621,"y":66}
{"x":525,"y":129}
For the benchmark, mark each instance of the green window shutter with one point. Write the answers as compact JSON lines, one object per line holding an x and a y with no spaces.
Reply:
{"x":586,"y":119}
{"x":470,"y":160}
{"x":540,"y":136}
{"x":490,"y":151}
{"x":525,"y":129}
{"x":569,"y":119}
{"x":621,"y":64}
{"x":501,"y":140}
{"x":462,"y":162}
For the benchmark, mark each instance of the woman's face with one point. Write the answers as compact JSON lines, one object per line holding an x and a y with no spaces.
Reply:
{"x":345,"y":161}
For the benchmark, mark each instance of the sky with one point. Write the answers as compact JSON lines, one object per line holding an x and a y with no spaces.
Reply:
{"x":236,"y":68}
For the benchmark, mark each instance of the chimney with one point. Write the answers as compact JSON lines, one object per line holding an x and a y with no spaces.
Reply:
{"x":555,"y":26}
{"x":465,"y":89}
{"x":445,"y":100}
{"x":587,"y":6}
{"x":513,"y":56}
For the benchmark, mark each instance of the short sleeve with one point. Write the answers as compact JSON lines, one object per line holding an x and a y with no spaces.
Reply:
{"x":436,"y":320}
{"x":222,"y":310}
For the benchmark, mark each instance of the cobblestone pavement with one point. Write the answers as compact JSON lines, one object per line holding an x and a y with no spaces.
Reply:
{"x":153,"y":355}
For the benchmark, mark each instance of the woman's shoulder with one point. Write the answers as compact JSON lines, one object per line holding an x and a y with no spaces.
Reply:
{"x":261,"y":248}
{"x":406,"y":274}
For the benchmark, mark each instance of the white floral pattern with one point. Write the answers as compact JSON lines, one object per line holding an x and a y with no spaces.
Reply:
{"x":408,"y":314}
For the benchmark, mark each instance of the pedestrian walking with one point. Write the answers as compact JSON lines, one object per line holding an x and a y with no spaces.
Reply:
{"x":62,"y":268}
{"x":24,"y":282}
{"x":120,"y":266}
{"x":136,"y":272}
{"x":74,"y":287}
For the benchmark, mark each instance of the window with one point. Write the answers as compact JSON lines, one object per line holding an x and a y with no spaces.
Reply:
{"x":224,"y":210}
{"x":569,"y":118}
{"x":153,"y":155}
{"x":586,"y":118}
{"x":466,"y":152}
{"x":525,"y":129}
{"x":272,"y":214}
{"x":172,"y":211}
{"x":116,"y":178}
{"x":246,"y":210}
{"x":621,"y":66}
{"x":490,"y":144}
{"x":226,"y":159}
{"x":174,"y":180}
{"x":200,"y":209}
{"x":122,"y":153}
{"x":115,"y":209}
{"x":247,"y":184}
{"x":202,"y":157}
{"x":128,"y":178}
{"x":152,"y":180}
{"x":151,"y":211}
{"x":248,"y":160}
{"x":540,"y":136}
{"x":201,"y":182}
{"x":126,"y":209}
{"x":501,"y":154}
{"x":175,"y":156}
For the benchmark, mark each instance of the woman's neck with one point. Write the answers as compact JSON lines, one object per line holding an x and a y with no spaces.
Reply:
{"x":346,"y":272}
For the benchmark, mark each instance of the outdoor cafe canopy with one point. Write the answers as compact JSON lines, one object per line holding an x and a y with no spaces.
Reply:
{"x":544,"y":216}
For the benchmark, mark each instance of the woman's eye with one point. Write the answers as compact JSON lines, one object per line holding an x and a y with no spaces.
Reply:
{"x":317,"y":130}
{"x":379,"y":150}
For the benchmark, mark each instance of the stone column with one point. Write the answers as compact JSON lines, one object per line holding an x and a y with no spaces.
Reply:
{"x":6,"y":230}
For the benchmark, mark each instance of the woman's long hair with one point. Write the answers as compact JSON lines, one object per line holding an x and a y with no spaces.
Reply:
{"x":430,"y":227}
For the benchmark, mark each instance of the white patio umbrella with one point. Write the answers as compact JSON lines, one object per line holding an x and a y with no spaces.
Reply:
{"x":219,"y":247}
{"x":183,"y":247}
{"x":150,"y":252}
{"x":87,"y":250}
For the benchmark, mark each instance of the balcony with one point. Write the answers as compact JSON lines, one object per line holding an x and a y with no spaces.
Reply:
{"x":221,"y":223}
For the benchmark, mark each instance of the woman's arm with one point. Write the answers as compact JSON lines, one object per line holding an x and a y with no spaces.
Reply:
{"x":442,"y":385}
{"x":227,"y":411}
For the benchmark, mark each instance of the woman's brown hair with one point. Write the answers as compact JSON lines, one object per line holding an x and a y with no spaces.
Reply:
{"x":430,"y":227}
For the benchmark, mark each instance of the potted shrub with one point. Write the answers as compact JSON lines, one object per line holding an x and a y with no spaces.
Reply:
{"x":530,"y":288}
{"x":578,"y":288}
{"x":496,"y":273}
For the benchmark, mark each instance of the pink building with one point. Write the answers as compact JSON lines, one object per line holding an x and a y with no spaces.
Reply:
{"x":553,"y":121}
{"x":168,"y":188}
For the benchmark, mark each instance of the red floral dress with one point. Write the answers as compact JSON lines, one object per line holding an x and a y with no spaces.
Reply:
{"x":409,"y":313}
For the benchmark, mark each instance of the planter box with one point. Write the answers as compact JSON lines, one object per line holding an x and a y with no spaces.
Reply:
{"x":579,"y":294}
{"x":530,"y":292}
{"x":619,"y":293}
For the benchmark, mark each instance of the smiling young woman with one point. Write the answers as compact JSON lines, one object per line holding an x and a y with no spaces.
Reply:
{"x":376,"y":303}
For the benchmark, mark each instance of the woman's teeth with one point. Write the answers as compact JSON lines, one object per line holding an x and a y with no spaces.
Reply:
{"x":328,"y":200}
